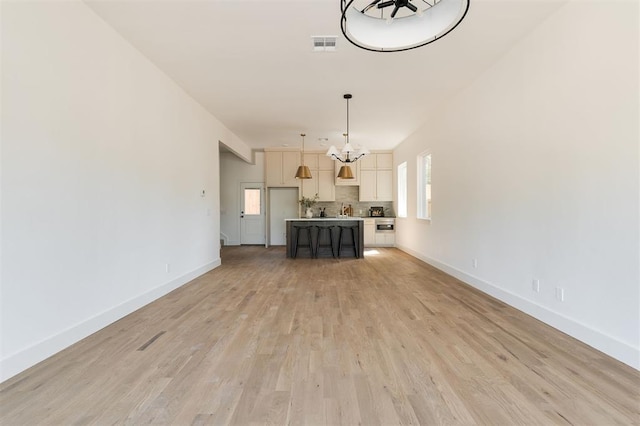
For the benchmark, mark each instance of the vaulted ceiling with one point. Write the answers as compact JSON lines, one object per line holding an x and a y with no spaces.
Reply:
{"x":251,"y":64}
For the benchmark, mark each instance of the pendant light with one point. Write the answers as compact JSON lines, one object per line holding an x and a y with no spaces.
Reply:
{"x":303,"y":171}
{"x":345,"y":171}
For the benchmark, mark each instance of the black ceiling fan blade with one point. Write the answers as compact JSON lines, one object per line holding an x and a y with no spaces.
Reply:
{"x":412,"y":7}
{"x":395,"y":10}
{"x":386,"y":4}
{"x":370,"y":5}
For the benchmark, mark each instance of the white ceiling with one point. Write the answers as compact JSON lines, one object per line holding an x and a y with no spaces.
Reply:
{"x":251,"y":64}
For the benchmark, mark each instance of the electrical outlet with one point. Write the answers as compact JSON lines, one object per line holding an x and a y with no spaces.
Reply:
{"x":475,"y":263}
{"x":535,"y":286}
{"x":167,"y":267}
{"x":560,"y":294}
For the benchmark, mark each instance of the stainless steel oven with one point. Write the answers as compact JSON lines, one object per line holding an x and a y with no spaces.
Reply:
{"x":385,"y":225}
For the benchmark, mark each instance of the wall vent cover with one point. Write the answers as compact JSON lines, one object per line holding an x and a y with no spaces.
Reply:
{"x":324,"y":43}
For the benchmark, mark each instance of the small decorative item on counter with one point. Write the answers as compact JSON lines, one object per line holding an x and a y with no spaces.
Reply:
{"x":322,"y":213}
{"x":307,"y":203}
{"x":376,"y":211}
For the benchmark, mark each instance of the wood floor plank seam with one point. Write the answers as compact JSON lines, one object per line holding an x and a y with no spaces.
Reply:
{"x":151,"y":341}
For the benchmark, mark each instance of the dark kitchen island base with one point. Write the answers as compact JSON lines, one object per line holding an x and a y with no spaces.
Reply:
{"x":330,"y":237}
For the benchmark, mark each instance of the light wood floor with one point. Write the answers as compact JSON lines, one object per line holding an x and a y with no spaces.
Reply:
{"x":385,"y":340}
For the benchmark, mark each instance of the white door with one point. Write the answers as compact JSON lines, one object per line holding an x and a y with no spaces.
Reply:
{"x":283,"y":204}
{"x":252,"y":214}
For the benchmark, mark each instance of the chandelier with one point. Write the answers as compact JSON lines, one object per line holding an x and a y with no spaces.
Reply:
{"x":410,"y":24}
{"x":348,"y":154}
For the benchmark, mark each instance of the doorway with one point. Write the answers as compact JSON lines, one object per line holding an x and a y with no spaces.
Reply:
{"x":252,"y":213}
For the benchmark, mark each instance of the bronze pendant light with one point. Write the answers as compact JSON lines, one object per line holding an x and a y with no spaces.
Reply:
{"x":303,"y":171}
{"x":345,"y":172}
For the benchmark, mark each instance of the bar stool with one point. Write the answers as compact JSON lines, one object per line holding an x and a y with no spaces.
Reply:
{"x":295,"y":246}
{"x":354,"y":234}
{"x":321,"y":230}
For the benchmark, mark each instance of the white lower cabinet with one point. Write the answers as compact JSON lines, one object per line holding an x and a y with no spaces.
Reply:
{"x":377,"y":239}
{"x":387,"y":239}
{"x":369,"y":232}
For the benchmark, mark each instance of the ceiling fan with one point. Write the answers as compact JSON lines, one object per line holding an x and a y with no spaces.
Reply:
{"x":396,"y":3}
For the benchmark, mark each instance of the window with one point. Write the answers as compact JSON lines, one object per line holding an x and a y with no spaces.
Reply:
{"x":424,"y":186}
{"x":252,"y":201}
{"x":402,"y":190}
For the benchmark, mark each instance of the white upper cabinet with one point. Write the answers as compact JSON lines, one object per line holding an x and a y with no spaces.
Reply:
{"x":376,"y":177}
{"x":384,"y":161}
{"x":281,"y":167}
{"x":321,"y":182}
{"x":368,"y":162}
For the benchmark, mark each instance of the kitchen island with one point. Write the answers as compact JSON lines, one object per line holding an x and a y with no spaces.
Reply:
{"x":325,"y":237}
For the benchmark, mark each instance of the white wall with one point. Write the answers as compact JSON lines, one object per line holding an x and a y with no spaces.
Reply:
{"x":536,"y":175}
{"x":233,"y":172}
{"x":104,"y":160}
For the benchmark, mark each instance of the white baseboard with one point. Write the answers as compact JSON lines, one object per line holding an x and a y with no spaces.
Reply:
{"x":621,"y":351}
{"x":20,"y":361}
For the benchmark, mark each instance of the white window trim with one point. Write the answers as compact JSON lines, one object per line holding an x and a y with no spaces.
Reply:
{"x":422,"y":208}
{"x":403,"y":207}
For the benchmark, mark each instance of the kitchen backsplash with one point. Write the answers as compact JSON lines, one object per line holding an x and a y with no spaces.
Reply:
{"x":348,"y":195}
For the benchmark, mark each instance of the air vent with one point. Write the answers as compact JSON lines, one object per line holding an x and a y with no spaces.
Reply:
{"x":324,"y":43}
